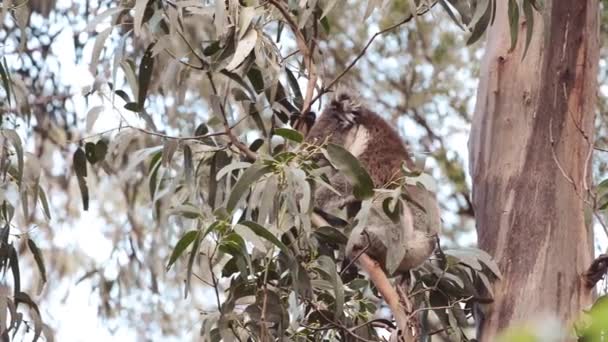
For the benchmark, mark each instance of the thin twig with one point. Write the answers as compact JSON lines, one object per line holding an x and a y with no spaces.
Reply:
{"x":328,"y":87}
{"x":306,"y":51}
{"x":233,"y":139}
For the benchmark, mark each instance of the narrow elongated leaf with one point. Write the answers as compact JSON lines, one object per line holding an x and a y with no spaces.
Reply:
{"x":181,"y":246}
{"x":80,"y":163}
{"x":97,"y":47}
{"x":264,"y":233}
{"x":295,"y":87}
{"x":328,"y":266}
{"x":513,"y":22}
{"x":289,"y":134}
{"x":15,"y":140}
{"x":193,"y":254}
{"x":145,"y":74}
{"x":14,"y":265}
{"x":101,"y":149}
{"x":529,"y":15}
{"x":138,"y":17}
{"x":92,"y":116}
{"x":45,"y":203}
{"x":243,"y":48}
{"x":450,"y":12}
{"x":347,"y":164}
{"x":38,"y":258}
{"x":188,"y":165}
{"x":252,"y":174}
{"x":5,"y":81}
{"x":481,"y":26}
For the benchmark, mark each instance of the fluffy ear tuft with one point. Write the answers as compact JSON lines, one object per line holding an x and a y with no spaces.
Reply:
{"x":346,"y":101}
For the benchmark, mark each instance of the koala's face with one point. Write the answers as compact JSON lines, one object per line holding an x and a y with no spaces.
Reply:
{"x":336,"y":121}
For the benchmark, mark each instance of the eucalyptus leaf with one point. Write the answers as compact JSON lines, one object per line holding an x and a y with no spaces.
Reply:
{"x":252,"y":174}
{"x":513,"y":11}
{"x":37,"y":258}
{"x":347,"y":164}
{"x":181,"y":246}
{"x":289,"y":134}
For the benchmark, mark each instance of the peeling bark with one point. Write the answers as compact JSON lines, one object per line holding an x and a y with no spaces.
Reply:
{"x":530,"y":154}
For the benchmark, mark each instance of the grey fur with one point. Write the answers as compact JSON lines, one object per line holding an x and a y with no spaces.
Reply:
{"x":344,"y":122}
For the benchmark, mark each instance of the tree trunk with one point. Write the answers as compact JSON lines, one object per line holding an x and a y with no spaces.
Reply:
{"x":530,"y":153}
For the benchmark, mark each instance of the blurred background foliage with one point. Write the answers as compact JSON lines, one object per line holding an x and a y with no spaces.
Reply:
{"x":73,"y":66}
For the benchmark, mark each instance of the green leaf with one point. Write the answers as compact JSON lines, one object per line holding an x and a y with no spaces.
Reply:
{"x":529,"y":15}
{"x":5,"y":81}
{"x":295,"y":87}
{"x":84,"y":191}
{"x":257,"y":80}
{"x":256,"y":144}
{"x":480,"y":27}
{"x":133,"y":107}
{"x":193,"y":254}
{"x":15,"y":140}
{"x":264,"y":233}
{"x":14,"y":265}
{"x":289,"y":134}
{"x":181,"y":246}
{"x":89,"y":149}
{"x":347,"y":164}
{"x":325,"y":24}
{"x":328,"y":266}
{"x":251,"y":175}
{"x":45,"y":203}
{"x":145,"y":74}
{"x":448,"y":9}
{"x":188,"y":165}
{"x":123,"y":95}
{"x":79,"y":164}
{"x":101,"y":149}
{"x":513,"y":22}
{"x":38,"y":258}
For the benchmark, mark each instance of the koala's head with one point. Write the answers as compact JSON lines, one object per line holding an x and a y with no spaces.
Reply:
{"x":336,"y":120}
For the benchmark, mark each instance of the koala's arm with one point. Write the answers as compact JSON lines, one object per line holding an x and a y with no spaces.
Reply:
{"x":415,"y":232}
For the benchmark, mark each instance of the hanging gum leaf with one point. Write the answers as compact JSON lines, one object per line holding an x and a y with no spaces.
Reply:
{"x":145,"y":74}
{"x":289,"y":134}
{"x":481,"y":26}
{"x":357,"y":176}
{"x":252,"y":174}
{"x":37,"y":258}
{"x":16,"y":142}
{"x":529,"y":15}
{"x":265,"y":234}
{"x":513,"y":22}
{"x":181,"y":246}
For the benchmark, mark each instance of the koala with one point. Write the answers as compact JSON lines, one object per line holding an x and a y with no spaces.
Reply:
{"x":380,"y":150}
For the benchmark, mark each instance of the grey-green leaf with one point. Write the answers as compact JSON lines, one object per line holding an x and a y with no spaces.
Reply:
{"x":145,"y":74}
{"x":38,"y":258}
{"x":513,"y":22}
{"x":181,"y":246}
{"x":5,"y":81}
{"x":264,"y":233}
{"x":347,"y":164}
{"x":289,"y":134}
{"x":16,"y":142}
{"x":252,"y":174}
